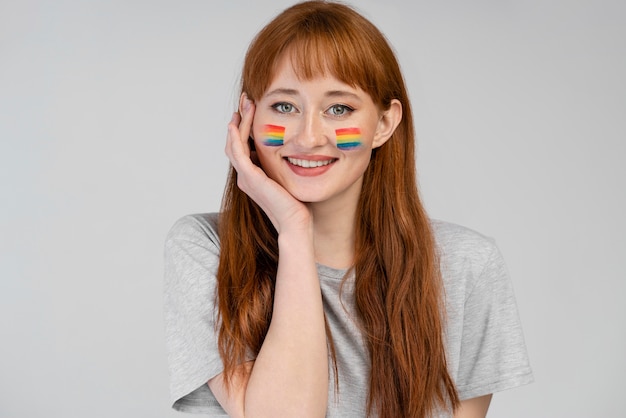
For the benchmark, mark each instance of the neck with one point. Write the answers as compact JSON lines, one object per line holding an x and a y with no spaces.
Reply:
{"x":333,"y":232}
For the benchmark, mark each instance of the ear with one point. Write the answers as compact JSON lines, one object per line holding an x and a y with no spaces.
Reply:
{"x":242,"y":100}
{"x":387,"y":124}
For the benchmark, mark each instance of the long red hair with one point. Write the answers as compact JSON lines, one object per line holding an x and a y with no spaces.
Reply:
{"x":398,"y":288}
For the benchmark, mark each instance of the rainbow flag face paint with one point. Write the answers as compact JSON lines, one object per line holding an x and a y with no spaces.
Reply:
{"x":348,"y":138}
{"x":273,"y":135}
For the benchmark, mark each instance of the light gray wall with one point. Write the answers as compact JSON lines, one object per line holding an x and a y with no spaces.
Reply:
{"x":112,"y":123}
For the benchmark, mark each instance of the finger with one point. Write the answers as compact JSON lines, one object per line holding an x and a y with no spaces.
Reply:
{"x":238,"y":149}
{"x":235,"y":119}
{"x":235,"y":150}
{"x":239,"y":137}
{"x":232,"y":134}
{"x":247,"y":118}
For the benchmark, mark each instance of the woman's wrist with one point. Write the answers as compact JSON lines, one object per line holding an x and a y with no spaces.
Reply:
{"x":298,"y":236}
{"x":296,"y":231}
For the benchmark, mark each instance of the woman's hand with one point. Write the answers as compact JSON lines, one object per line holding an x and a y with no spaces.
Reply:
{"x":283,"y":210}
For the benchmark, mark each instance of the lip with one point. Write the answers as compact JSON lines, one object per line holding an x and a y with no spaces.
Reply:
{"x":310,"y":171}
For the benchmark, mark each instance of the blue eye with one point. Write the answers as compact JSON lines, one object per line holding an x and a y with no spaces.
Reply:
{"x":283,"y":107}
{"x":339,"y":110}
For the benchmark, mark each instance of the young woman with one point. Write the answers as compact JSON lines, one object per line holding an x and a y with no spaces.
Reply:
{"x":322,"y":288}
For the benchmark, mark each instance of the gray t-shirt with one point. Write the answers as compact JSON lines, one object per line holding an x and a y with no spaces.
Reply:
{"x":484,"y":340}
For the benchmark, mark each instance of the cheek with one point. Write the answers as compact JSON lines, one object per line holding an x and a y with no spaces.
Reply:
{"x":264,"y":156}
{"x":270,"y":135}
{"x":349,"y":138}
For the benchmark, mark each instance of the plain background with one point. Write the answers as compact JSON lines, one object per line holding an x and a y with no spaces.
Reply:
{"x":112,"y":124}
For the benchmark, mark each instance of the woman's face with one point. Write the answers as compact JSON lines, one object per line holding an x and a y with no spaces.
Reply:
{"x":315,"y":137}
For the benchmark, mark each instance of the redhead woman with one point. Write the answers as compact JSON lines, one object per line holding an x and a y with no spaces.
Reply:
{"x":322,"y":288}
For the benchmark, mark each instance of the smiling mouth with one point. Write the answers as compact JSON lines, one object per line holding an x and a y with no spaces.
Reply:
{"x":309,"y":163}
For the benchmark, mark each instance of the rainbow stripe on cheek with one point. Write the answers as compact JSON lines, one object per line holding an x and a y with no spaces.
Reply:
{"x":273,"y":135}
{"x":348,"y":138}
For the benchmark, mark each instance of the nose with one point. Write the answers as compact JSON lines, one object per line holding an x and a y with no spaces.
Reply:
{"x":311,"y":131}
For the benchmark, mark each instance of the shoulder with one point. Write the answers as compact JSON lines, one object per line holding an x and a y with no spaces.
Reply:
{"x":469,"y":260}
{"x":457,"y":243}
{"x":192,"y":251}
{"x":197,"y":228}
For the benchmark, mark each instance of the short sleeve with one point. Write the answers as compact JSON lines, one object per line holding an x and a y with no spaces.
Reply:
{"x":492,"y":353}
{"x":191,"y":260}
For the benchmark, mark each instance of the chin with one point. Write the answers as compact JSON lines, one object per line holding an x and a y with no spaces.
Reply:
{"x":309,"y":197}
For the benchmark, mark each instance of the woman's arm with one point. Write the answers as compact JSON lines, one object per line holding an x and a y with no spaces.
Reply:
{"x":290,"y":374}
{"x":474,"y":408}
{"x":293,"y":359}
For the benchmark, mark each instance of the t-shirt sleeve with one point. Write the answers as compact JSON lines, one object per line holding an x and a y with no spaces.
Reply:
{"x":493,"y":353}
{"x":191,"y":260}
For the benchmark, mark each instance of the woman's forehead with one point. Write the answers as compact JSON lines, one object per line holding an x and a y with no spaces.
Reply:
{"x":289,"y":70}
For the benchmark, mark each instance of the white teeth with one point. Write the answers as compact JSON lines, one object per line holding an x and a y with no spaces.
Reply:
{"x":308,"y":163}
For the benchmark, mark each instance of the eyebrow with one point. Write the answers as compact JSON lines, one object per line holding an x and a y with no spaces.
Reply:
{"x":341,"y":93}
{"x":330,"y":93}
{"x":289,"y":92}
